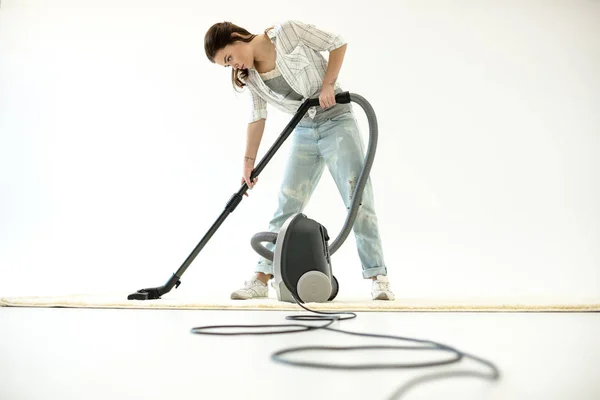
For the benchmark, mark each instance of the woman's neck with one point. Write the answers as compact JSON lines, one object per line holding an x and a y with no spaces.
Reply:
{"x":264,"y":54}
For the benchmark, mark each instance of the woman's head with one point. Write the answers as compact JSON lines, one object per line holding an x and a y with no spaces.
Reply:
{"x":227,"y":44}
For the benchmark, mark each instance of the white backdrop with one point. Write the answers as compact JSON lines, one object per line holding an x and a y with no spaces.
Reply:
{"x":120,"y":144}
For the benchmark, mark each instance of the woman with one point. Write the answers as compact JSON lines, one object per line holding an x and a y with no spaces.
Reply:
{"x":283,"y":67}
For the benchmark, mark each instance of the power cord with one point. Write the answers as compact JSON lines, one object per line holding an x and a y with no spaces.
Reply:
{"x":453,"y":355}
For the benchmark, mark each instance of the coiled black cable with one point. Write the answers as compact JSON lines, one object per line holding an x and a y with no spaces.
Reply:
{"x":455,"y":355}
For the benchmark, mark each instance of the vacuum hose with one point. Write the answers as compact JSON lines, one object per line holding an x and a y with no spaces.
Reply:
{"x":271,"y":237}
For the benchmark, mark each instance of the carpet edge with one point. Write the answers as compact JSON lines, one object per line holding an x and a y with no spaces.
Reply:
{"x":281,"y":306}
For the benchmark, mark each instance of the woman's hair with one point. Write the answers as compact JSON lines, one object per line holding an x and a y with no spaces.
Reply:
{"x":220,"y":35}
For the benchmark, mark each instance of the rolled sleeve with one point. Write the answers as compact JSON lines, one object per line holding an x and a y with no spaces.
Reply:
{"x":311,"y":36}
{"x":258,"y":107}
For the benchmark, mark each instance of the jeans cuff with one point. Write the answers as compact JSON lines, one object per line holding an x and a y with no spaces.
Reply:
{"x":265,"y":268}
{"x":369,"y":273}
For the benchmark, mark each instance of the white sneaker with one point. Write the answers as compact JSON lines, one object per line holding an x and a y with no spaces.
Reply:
{"x":252,"y":289}
{"x":380,"y":289}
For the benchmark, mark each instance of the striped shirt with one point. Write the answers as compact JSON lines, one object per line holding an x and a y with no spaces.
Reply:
{"x":298,"y":58}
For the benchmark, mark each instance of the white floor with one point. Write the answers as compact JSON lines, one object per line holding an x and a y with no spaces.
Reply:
{"x":151,"y":354}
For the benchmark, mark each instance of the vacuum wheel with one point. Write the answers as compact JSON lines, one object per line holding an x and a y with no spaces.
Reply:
{"x":334,"y":288}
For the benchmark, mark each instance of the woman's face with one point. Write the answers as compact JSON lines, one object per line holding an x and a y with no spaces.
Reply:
{"x":237,"y":55}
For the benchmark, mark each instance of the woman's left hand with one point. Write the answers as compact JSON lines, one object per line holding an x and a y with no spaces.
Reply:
{"x":327,"y":96}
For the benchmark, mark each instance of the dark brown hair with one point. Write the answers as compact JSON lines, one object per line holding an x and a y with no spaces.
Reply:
{"x":220,"y":35}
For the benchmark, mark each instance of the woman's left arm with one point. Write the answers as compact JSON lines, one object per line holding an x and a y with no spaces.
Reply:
{"x":327,"y":95}
{"x":294,"y":32}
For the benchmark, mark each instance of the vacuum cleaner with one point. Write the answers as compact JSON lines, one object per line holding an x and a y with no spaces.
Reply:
{"x":302,"y":255}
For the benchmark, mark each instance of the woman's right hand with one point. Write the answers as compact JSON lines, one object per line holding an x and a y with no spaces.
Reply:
{"x":247,"y":171}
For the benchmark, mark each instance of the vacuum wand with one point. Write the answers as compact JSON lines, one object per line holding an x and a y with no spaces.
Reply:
{"x":234,"y":201}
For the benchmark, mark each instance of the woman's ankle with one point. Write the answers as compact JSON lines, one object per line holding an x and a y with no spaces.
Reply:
{"x":264,"y":278}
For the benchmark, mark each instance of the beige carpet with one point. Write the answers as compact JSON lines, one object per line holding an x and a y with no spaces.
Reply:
{"x":183,"y":302}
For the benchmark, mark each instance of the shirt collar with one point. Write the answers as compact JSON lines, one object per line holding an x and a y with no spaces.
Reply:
{"x":272,"y":33}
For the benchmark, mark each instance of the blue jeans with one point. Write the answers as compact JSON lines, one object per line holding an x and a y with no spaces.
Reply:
{"x":337,"y":143}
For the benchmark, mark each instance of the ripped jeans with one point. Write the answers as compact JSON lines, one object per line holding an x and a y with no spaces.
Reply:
{"x":337,"y":143}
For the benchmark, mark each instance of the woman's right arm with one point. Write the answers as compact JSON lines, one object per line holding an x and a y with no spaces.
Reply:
{"x":253,"y":138}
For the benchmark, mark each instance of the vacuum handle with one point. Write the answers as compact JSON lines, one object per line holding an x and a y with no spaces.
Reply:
{"x":340,"y":98}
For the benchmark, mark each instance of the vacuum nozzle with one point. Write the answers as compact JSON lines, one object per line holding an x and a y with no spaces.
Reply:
{"x":144,"y":294}
{"x":156,"y":292}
